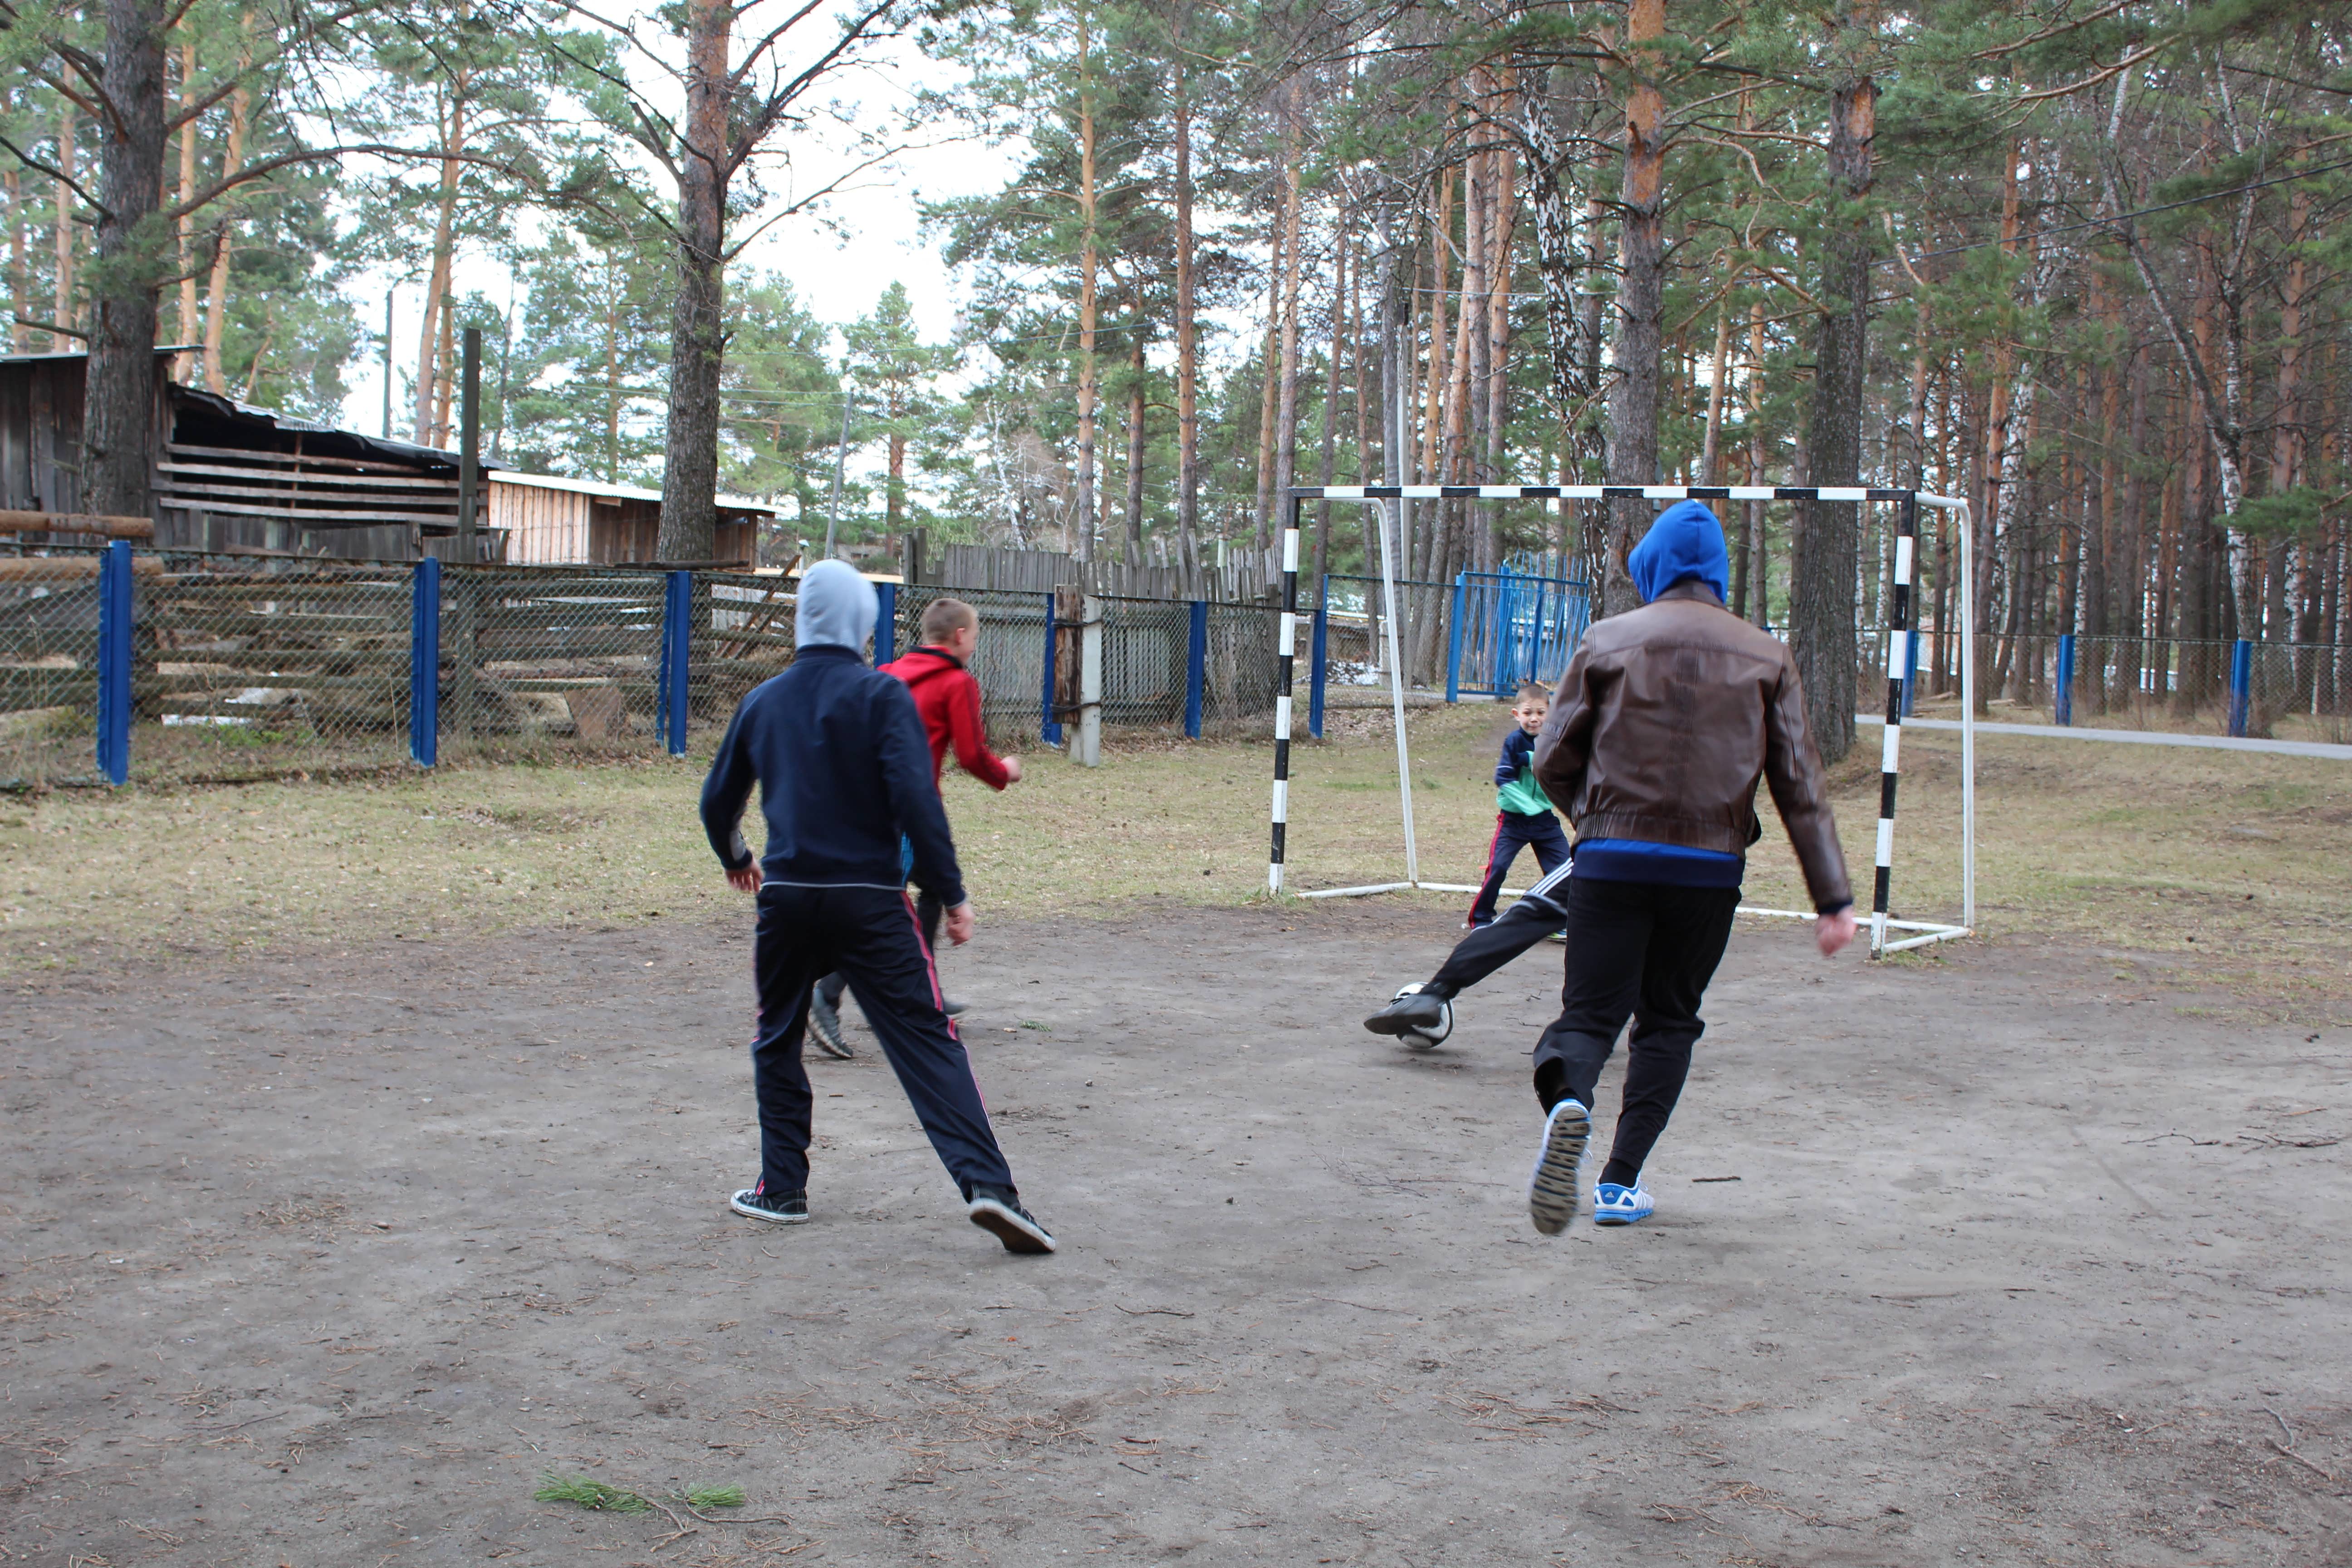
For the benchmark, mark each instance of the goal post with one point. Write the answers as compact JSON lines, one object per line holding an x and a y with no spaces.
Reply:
{"x":1887,"y":934}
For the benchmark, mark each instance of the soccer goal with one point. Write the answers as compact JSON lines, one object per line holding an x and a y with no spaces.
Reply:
{"x":1887,"y":934}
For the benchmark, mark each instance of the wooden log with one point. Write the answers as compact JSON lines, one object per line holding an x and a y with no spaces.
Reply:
{"x":97,"y":522}
{"x":67,"y":568}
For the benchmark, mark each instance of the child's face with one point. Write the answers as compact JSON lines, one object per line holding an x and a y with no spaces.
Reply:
{"x":1531,"y":714}
{"x":964,"y":640}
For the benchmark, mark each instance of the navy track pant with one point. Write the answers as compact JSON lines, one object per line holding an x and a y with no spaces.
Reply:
{"x":1513,"y":831}
{"x":870,"y":935}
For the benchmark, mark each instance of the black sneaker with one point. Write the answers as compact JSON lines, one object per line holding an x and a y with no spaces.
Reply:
{"x":825,"y":1022}
{"x":1415,"y":1017}
{"x":998,"y":1210}
{"x":776,"y":1208}
{"x":950,"y":1007}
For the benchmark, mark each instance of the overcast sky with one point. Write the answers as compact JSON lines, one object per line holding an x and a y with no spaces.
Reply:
{"x":838,"y":275}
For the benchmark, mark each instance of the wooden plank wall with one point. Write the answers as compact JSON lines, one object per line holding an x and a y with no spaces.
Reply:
{"x":545,"y":527}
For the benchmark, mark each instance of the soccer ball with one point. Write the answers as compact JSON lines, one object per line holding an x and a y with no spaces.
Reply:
{"x":1416,"y":1039}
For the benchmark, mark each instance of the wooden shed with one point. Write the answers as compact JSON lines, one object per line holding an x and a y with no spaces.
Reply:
{"x":547,"y":522}
{"x":236,"y":478}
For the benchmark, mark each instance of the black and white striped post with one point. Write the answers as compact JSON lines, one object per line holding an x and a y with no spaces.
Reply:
{"x":1285,"y":659}
{"x":1901,"y":629}
{"x":1898,"y":661}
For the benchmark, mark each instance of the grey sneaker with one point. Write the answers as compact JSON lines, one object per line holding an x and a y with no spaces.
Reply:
{"x":1551,"y":1186}
{"x":825,"y":1022}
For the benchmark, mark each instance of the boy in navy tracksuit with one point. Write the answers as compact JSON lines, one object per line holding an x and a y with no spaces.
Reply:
{"x":1523,"y":814}
{"x":845,"y":772}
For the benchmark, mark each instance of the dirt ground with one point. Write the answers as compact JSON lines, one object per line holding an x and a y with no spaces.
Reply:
{"x":2024,"y":1254}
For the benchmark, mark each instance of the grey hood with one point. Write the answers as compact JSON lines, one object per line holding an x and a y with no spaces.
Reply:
{"x":836,"y":607}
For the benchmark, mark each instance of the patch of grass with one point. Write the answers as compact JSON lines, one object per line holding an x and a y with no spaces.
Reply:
{"x":588,"y":1494}
{"x":2134,"y":846}
{"x":713,"y":1497}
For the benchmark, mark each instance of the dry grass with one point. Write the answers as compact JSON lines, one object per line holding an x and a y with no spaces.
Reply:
{"x":2244,"y":859}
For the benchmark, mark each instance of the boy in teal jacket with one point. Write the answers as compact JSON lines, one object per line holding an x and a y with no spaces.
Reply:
{"x":1523,"y":813}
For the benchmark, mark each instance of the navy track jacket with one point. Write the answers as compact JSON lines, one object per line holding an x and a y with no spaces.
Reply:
{"x":843,"y":770}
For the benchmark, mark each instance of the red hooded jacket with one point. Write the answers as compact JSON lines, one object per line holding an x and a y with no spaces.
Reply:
{"x":948,"y":697}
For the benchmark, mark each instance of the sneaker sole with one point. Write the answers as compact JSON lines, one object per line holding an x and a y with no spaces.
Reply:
{"x":1614,"y":1219}
{"x":1551,"y":1186}
{"x":768,"y":1217}
{"x":829,"y":1040}
{"x":1017,"y":1234}
{"x":1392,"y":1025}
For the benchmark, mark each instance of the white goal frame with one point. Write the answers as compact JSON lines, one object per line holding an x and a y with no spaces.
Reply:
{"x":1900,"y":635}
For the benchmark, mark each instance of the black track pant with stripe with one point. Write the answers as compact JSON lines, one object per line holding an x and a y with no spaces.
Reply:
{"x":1535,"y":916}
{"x":870,"y":935}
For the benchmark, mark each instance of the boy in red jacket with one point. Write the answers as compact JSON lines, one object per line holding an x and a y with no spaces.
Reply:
{"x":947,"y":694}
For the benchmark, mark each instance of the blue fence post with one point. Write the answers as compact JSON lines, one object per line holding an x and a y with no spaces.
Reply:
{"x":2241,"y":684}
{"x":424,"y":663}
{"x":676,"y":639}
{"x":1454,"y":640}
{"x":886,"y":623}
{"x":1911,"y":671}
{"x":1196,"y":666}
{"x":1049,"y":728}
{"x":1535,"y":635}
{"x":114,"y":613}
{"x":1319,"y":661}
{"x":2062,"y":702}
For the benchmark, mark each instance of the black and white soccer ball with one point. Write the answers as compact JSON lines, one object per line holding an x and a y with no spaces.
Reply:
{"x":1425,"y":1040}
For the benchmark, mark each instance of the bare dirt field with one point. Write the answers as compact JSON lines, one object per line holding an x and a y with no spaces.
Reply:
{"x":2031,"y":1252}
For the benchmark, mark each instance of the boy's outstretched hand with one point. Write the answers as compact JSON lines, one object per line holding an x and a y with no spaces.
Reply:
{"x":746,"y":880}
{"x":1012,"y":769}
{"x":959,"y":923}
{"x":1834,"y":931}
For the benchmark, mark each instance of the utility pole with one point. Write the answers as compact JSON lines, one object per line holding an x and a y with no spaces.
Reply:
{"x":387,"y":364}
{"x":840,"y":459}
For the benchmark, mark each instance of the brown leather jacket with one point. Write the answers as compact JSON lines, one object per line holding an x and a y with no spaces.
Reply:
{"x":1666,"y":719}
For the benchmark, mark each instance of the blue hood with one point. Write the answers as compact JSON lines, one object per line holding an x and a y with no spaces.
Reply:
{"x":838,"y":606}
{"x":1685,"y":541}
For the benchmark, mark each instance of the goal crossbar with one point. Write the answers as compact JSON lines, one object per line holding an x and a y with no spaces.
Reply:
{"x":1900,"y":634}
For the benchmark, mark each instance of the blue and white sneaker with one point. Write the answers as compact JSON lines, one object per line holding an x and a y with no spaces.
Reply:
{"x":1551,"y":1186}
{"x":1613,"y":1204}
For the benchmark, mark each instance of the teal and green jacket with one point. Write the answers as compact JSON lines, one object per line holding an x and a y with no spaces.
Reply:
{"x":1515,"y":777}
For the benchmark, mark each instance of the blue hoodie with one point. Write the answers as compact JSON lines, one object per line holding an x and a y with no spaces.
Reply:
{"x":1685,"y":541}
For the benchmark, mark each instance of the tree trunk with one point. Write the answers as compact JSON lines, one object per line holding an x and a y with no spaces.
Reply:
{"x":12,"y":197}
{"x":1088,"y":370}
{"x":62,"y":272}
{"x":1286,"y":419}
{"x":1188,"y":368}
{"x":185,"y":327}
{"x":1269,"y":390}
{"x":1641,"y":303}
{"x":432,"y":330}
{"x":1560,"y":264}
{"x":1996,"y":443}
{"x":1825,"y":561}
{"x":1502,"y":224}
{"x":1135,"y":405}
{"x":132,"y":258}
{"x":689,"y":515}
{"x":1709,"y":447}
{"x":1331,"y":402}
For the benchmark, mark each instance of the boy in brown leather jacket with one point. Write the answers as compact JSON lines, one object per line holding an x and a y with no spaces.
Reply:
{"x":1666,"y":721}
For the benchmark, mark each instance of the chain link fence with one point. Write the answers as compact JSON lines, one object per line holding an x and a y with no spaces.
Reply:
{"x":2300,"y":691}
{"x":246,"y":668}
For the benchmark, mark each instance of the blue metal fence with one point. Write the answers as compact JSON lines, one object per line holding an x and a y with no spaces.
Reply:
{"x":1510,"y":626}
